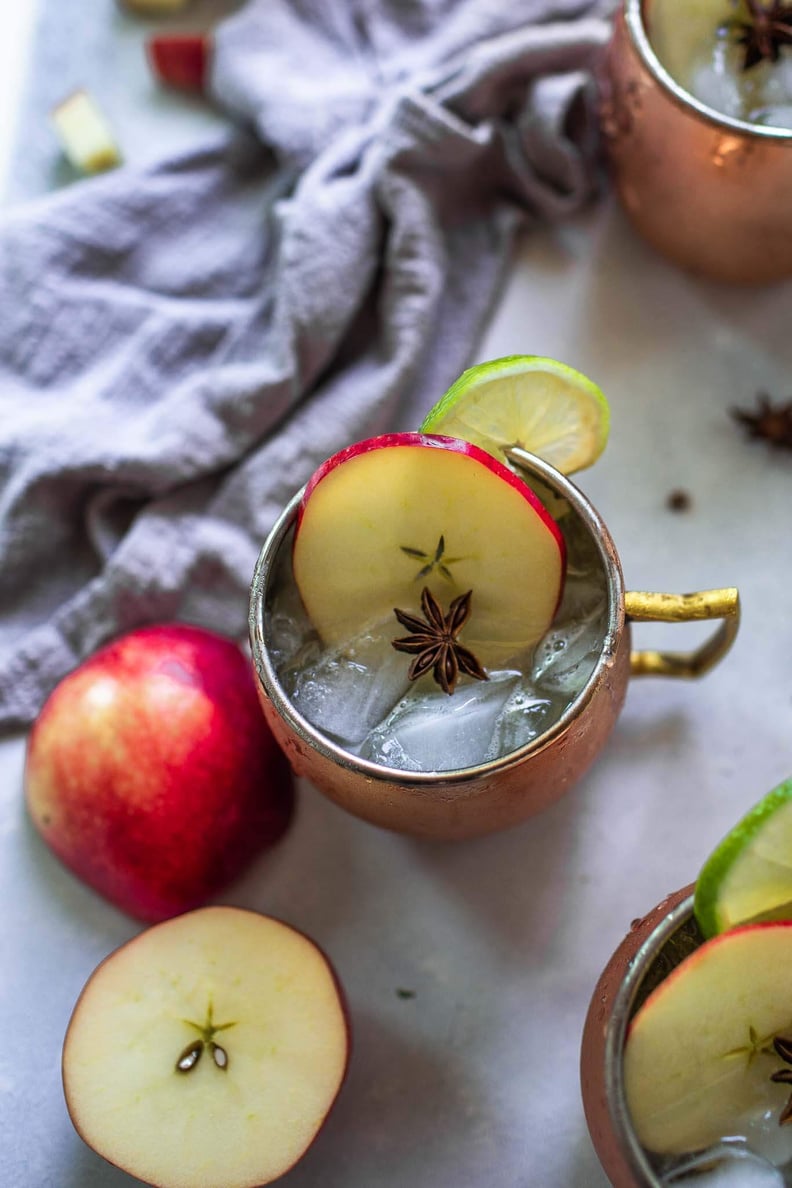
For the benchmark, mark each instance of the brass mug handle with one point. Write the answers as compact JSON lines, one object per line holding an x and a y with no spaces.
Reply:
{"x":724,"y":604}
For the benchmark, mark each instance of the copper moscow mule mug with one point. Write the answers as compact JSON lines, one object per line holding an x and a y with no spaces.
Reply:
{"x":493,"y":795}
{"x":710,"y":192}
{"x":637,"y":964}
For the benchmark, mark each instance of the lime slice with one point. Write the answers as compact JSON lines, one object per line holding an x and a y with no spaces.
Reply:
{"x":748,"y":877}
{"x":544,"y":406}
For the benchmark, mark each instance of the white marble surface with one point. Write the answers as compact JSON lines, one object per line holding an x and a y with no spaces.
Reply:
{"x":474,"y":1080}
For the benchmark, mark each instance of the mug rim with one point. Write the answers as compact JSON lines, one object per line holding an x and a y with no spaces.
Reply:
{"x":636,"y":29}
{"x":316,"y":739}
{"x":618,"y":1021}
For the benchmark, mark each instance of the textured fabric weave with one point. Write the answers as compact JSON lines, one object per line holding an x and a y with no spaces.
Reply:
{"x":181,"y":345}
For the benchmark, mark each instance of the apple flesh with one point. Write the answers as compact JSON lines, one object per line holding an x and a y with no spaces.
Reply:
{"x":85,"y":133}
{"x":207,"y":1051}
{"x":699,"y":1057}
{"x":390,"y":515}
{"x":152,"y":774}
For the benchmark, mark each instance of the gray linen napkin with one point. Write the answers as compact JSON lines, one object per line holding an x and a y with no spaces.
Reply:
{"x":181,"y":345}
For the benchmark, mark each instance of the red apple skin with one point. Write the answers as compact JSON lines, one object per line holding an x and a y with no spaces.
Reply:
{"x":151,"y":773}
{"x":435,"y":441}
{"x":180,"y":60}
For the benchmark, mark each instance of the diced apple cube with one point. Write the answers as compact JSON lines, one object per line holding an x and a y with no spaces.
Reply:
{"x":85,"y":133}
{"x":180,"y":60}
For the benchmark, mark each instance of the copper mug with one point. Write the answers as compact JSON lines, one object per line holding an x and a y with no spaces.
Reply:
{"x":711,"y":192}
{"x":501,"y":792}
{"x":639,"y":963}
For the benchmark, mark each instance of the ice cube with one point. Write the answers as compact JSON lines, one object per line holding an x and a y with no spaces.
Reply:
{"x":289,"y":633}
{"x":717,"y":87}
{"x":773,"y":115}
{"x":347,"y":691}
{"x":726,"y":1165}
{"x":430,"y":731}
{"x":766,"y":1137}
{"x":565,"y":657}
{"x":523,"y":718}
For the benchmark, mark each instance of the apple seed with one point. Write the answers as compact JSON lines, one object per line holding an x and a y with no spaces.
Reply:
{"x":192,"y":1053}
{"x":219,"y":1055}
{"x":190,"y":1057}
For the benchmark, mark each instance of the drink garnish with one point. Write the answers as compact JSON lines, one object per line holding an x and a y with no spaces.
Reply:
{"x":783,"y":1048}
{"x":530,"y":401}
{"x":768,"y":27}
{"x":433,"y":640}
{"x":769,"y":422}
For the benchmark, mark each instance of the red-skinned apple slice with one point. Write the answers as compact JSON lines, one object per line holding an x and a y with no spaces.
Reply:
{"x":385,"y":517}
{"x":207,"y":1051}
{"x":699,"y":1054}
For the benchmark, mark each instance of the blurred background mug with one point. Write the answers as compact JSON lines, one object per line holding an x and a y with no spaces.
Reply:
{"x":710,"y":191}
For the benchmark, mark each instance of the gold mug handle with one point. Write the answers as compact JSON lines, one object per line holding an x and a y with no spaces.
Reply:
{"x":643,"y":607}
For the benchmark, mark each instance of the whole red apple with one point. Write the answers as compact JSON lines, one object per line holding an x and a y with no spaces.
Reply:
{"x":152,"y":774}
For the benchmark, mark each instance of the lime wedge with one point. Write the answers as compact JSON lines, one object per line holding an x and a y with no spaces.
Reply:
{"x":544,"y":406}
{"x":748,"y":876}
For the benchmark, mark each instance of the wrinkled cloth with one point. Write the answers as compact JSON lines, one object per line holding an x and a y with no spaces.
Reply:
{"x":182,"y":344}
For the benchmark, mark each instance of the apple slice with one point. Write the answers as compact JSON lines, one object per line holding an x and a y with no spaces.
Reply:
{"x":85,"y":134}
{"x":699,"y":1055}
{"x":208,"y":1050}
{"x":386,"y":517}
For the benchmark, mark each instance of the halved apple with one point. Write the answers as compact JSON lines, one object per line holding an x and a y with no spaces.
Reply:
{"x":699,"y":1055}
{"x":207,"y":1051}
{"x":385,"y":517}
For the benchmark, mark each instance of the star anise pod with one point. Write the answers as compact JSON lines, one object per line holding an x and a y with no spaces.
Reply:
{"x":434,"y":643}
{"x":768,"y":27}
{"x":783,"y":1048}
{"x":770,"y":423}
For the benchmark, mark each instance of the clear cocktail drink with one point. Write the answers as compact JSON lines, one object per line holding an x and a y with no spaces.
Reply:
{"x":359,"y":695}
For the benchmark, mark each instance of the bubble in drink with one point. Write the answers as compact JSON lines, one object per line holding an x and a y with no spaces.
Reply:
{"x":523,"y":718}
{"x":565,"y":658}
